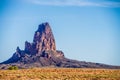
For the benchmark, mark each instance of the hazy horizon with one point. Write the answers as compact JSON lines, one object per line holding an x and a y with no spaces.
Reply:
{"x":85,"y":30}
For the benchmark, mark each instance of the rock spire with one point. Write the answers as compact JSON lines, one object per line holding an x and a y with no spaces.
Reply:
{"x":43,"y":40}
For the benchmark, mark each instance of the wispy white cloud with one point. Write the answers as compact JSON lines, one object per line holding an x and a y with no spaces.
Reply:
{"x":76,"y":3}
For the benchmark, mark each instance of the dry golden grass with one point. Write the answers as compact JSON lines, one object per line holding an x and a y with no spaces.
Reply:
{"x":60,"y":74}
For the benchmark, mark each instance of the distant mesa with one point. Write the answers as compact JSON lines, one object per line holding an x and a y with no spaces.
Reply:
{"x":42,"y":53}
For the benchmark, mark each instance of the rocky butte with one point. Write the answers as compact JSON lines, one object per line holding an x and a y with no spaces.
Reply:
{"x":42,"y":53}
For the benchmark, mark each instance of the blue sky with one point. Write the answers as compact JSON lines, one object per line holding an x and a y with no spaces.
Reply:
{"x":85,"y":30}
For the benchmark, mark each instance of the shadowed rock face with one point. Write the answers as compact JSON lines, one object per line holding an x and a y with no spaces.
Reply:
{"x":42,"y":52}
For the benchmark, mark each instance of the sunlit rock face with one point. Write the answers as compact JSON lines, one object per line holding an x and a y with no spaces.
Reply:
{"x":43,"y":41}
{"x":44,"y":38}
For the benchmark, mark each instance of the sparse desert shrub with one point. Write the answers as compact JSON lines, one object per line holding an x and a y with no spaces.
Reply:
{"x":13,"y":68}
{"x":60,"y":74}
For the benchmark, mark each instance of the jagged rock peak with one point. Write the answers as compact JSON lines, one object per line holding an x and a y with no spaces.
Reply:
{"x":18,"y":49}
{"x":44,"y":27}
{"x":44,"y":39}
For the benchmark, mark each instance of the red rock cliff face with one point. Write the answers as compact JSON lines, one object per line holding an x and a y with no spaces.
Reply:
{"x":43,"y":40}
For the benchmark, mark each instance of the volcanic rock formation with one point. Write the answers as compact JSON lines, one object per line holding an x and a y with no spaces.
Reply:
{"x":42,"y":52}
